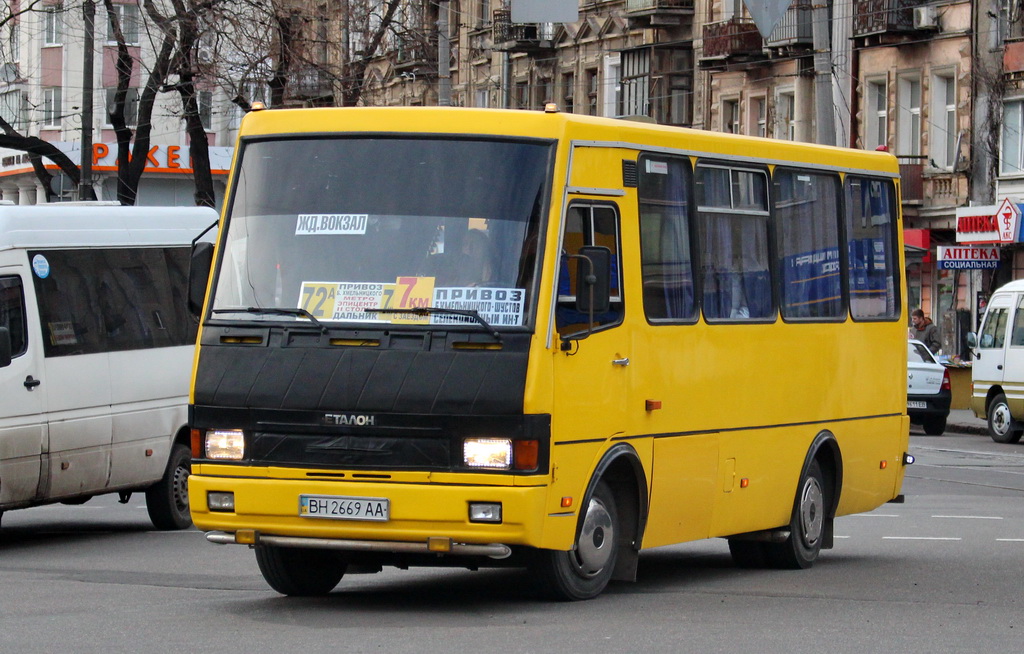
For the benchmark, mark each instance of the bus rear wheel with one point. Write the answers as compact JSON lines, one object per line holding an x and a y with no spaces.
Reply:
{"x":806,"y":526}
{"x":583,"y":572}
{"x":300,"y":572}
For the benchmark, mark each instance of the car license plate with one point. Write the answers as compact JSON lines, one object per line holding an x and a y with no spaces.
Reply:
{"x":339,"y":507}
{"x":914,"y":404}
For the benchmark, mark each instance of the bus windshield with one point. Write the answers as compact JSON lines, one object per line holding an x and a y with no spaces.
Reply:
{"x":338,"y":227}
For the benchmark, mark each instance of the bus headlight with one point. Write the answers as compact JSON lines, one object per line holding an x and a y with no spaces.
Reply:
{"x":225,"y":444}
{"x":493,"y":453}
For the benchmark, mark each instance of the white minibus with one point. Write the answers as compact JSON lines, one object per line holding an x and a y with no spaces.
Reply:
{"x":96,"y":347}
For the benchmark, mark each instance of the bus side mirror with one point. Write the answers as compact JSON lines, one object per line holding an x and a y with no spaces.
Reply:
{"x":198,"y":276}
{"x":5,"y":347}
{"x":593,"y":279}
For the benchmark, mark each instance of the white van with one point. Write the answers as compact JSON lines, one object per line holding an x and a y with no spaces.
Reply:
{"x":96,"y":346}
{"x":998,"y":368}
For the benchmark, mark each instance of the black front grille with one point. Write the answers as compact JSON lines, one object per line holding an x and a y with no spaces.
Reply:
{"x":352,"y":451}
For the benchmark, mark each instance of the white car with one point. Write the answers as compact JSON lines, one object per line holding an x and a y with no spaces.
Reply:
{"x":928,"y":389}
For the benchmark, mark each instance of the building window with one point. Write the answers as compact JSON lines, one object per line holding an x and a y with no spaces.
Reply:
{"x":759,"y":117}
{"x":908,"y":123}
{"x":612,"y":86}
{"x":205,"y":101}
{"x":592,"y":92}
{"x":785,"y":123}
{"x":942,"y":144}
{"x":1011,"y":162}
{"x":568,"y":91}
{"x":128,"y":17}
{"x":54,"y":24}
{"x":636,"y":82}
{"x":481,"y":98}
{"x":12,"y":109}
{"x":131,"y":106}
{"x":51,"y":107}
{"x":876,"y":115}
{"x":483,"y":12}
{"x":731,"y":116}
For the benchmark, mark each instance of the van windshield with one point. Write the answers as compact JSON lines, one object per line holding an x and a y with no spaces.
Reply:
{"x":341,"y":226}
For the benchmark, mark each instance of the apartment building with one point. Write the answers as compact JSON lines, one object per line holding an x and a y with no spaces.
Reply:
{"x":41,"y":95}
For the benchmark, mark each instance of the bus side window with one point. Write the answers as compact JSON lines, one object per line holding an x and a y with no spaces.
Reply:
{"x":587,"y":225}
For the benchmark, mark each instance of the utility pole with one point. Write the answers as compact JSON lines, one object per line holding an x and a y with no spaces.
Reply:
{"x":85,"y":190}
{"x":822,"y":41}
{"x":444,"y":76}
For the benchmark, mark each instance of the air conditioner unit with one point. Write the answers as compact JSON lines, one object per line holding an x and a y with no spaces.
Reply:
{"x":926,"y":18}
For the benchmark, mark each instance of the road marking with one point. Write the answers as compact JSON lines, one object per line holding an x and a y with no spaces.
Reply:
{"x":1010,"y":540}
{"x":872,"y":515}
{"x":918,"y":538}
{"x":969,"y":517}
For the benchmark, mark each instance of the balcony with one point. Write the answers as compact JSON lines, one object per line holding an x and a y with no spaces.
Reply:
{"x":794,"y":32}
{"x":658,"y":13}
{"x":415,"y":51}
{"x":521,"y":37}
{"x":310,"y":82}
{"x":883,"y":19}
{"x":731,"y":41}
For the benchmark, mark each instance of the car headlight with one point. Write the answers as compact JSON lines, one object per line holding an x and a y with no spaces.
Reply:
{"x":492,"y":453}
{"x":225,"y":444}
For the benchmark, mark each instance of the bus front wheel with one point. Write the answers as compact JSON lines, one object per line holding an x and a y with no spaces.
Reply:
{"x":300,"y":572}
{"x":806,"y":526}
{"x":584,"y":571}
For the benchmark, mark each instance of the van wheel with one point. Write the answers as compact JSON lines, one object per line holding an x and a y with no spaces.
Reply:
{"x":167,"y":500}
{"x":300,"y":572}
{"x":584,"y":571}
{"x":934,"y":426}
{"x":806,"y":526}
{"x":1000,"y":423}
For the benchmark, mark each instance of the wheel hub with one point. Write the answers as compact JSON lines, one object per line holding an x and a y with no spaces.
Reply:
{"x":595,"y":545}
{"x":812,"y":512}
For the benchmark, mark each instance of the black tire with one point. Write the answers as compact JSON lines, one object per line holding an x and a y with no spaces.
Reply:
{"x":806,"y":526}
{"x":167,"y":500}
{"x":1001,"y":426}
{"x":934,"y":426}
{"x":583,"y":572}
{"x":300,"y":572}
{"x":748,"y":554}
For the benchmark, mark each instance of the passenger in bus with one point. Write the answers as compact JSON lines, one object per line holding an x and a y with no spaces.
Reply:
{"x":474,"y":265}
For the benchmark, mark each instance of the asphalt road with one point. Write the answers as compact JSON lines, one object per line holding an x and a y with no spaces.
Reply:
{"x":939,"y":573}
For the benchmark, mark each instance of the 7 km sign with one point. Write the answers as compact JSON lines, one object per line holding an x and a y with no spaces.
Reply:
{"x":1007,"y":221}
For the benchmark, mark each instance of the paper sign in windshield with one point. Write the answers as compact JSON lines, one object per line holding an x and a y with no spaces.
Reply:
{"x":331,"y":223}
{"x":350,"y":301}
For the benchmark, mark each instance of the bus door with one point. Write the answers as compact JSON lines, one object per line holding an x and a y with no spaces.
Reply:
{"x":591,"y":372}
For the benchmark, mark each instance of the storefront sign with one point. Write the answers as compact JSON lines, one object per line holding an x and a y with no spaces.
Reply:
{"x":989,"y":224}
{"x":958,"y":257}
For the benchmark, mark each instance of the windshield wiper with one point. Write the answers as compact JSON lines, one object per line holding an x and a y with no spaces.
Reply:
{"x":424,"y":311}
{"x":278,"y":311}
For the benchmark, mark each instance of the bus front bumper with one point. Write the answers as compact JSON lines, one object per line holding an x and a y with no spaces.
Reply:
{"x":431,"y":546}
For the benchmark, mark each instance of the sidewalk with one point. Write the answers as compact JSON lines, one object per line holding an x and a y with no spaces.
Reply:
{"x":962,"y":421}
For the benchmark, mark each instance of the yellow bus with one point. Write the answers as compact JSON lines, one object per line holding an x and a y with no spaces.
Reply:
{"x":444,"y":336}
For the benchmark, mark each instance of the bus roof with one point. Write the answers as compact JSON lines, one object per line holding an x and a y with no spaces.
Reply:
{"x":53,"y":225}
{"x":555,"y":125}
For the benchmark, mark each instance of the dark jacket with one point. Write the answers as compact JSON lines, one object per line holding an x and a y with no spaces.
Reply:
{"x":929,"y":335}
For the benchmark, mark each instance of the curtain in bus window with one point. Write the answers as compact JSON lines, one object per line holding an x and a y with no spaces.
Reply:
{"x":733,"y":226}
{"x":807,"y":232}
{"x":870,"y":233}
{"x":666,"y":261}
{"x":12,"y":313}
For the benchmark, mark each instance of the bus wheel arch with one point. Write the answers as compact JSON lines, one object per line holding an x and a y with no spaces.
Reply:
{"x":609,"y":531}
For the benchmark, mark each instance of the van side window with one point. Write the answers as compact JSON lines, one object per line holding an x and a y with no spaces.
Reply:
{"x":1017,"y":335}
{"x":994,"y":332}
{"x":12,"y":313}
{"x":111,"y":300}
